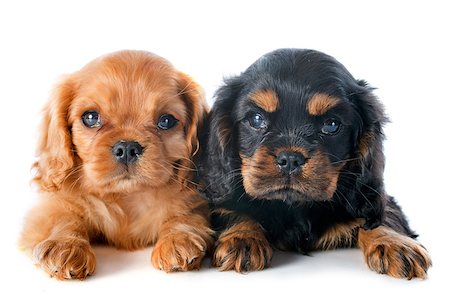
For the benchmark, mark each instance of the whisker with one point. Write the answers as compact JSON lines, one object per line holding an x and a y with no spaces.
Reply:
{"x":365,"y":198}
{"x":74,"y":171}
{"x":179,"y":166}
{"x":229,"y":175}
{"x":344,"y":161}
{"x":345,"y":198}
{"x":369,"y":187}
{"x":178,"y":179}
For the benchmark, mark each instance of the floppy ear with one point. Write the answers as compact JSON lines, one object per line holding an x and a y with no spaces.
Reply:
{"x":192,"y":95}
{"x":54,"y":152}
{"x":197,"y":108}
{"x":369,"y":150}
{"x":220,"y":164}
{"x":370,"y":141}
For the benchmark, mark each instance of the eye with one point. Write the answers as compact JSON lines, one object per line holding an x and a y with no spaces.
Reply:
{"x":331,"y":126}
{"x":257,"y":121}
{"x":91,"y":119}
{"x":166,"y":121}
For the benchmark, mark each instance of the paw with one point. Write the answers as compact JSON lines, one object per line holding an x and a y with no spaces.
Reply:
{"x":242,"y":252}
{"x":399,"y":257}
{"x":65,"y":259}
{"x":179,"y":252}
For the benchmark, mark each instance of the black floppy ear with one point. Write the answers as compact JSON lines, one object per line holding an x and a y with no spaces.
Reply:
{"x":371,"y":197}
{"x":371,"y":136}
{"x":220,"y":165}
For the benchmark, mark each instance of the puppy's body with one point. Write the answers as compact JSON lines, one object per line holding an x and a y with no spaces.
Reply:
{"x":126,"y":221}
{"x":294,"y":161}
{"x":115,"y":165}
{"x":302,"y":227}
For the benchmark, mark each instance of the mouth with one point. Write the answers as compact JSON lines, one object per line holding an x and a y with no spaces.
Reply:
{"x":131,"y":180}
{"x":289,"y":190}
{"x":120,"y":180}
{"x":122,"y":183}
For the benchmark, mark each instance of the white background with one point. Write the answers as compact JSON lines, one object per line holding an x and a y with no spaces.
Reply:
{"x":400,"y":47}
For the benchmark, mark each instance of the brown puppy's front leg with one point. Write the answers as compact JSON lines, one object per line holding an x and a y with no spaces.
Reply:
{"x":57,"y":239}
{"x":183,"y":242}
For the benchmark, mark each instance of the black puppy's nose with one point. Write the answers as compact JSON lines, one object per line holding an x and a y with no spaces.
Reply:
{"x":127,"y":152}
{"x":290,"y":162}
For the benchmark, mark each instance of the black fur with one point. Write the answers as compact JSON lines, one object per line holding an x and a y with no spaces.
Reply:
{"x":298,"y":222}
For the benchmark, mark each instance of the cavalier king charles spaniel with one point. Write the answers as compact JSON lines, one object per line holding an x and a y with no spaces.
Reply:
{"x":293,"y":160}
{"x":115,"y":165}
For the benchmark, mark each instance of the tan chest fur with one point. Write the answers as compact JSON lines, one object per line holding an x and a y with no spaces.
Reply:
{"x":132,"y":221}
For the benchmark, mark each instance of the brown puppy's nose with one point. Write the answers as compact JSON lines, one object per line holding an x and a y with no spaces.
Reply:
{"x":290,"y":162}
{"x":127,"y":152}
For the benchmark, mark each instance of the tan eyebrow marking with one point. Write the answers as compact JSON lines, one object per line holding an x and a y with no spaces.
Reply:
{"x":266,"y":99}
{"x":319,"y":104}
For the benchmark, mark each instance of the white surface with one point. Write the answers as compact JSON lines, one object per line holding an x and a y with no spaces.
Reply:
{"x":401,"y":48}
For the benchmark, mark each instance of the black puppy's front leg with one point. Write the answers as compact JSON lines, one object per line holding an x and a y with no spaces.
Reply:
{"x":372,"y":206}
{"x":241,"y":244}
{"x":367,"y":201}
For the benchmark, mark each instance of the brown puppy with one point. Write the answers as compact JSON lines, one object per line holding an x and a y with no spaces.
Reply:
{"x":114,"y":164}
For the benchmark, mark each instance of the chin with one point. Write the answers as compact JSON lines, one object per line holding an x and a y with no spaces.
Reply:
{"x":287,"y":196}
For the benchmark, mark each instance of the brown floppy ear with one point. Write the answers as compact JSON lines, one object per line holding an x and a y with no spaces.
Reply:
{"x":54,"y":152}
{"x":197,"y":108}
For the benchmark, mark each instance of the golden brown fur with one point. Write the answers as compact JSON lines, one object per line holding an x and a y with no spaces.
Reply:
{"x":389,"y":252}
{"x":339,"y":235}
{"x":320,"y":104}
{"x":242,"y":247}
{"x":385,"y":250}
{"x":87,"y":194}
{"x":265,"y":99}
{"x":260,"y":174}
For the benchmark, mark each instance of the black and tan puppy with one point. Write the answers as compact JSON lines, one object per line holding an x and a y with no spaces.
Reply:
{"x":293,"y":160}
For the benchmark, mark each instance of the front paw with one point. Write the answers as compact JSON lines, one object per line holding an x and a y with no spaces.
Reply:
{"x":398,"y":256}
{"x":179,"y":252}
{"x":242,"y":252}
{"x":65,"y":258}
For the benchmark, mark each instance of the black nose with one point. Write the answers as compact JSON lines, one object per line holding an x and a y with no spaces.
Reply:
{"x":127,"y":152}
{"x":290,"y":162}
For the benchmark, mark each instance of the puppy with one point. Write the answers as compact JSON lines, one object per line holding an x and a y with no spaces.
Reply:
{"x":114,"y":164}
{"x":294,"y":162}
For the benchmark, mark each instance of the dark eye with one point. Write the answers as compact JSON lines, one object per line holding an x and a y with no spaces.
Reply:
{"x":257,"y":121}
{"x":331,"y":127}
{"x":166,"y":121}
{"x":91,"y":119}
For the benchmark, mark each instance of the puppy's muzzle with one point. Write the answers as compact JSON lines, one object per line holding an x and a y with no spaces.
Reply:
{"x":290,"y":162}
{"x":127,"y":152}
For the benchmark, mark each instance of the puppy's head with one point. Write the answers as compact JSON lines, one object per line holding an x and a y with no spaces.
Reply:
{"x":124,"y":121}
{"x":290,"y":127}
